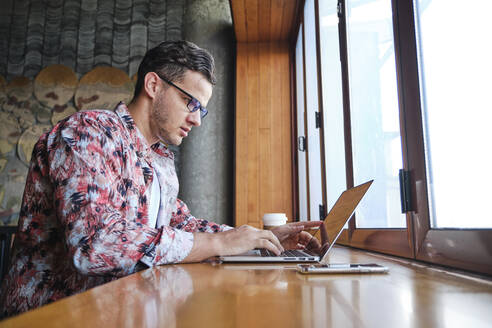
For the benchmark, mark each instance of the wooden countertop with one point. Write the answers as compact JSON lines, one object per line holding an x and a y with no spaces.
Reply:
{"x":250,"y":295}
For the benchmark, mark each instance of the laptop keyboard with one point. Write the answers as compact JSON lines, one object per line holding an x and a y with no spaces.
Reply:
{"x":287,"y":253}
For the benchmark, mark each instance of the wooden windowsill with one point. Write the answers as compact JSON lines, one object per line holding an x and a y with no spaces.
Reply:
{"x":412,"y":294}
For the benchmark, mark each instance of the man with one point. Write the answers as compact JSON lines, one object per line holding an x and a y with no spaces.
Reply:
{"x":100,"y":200}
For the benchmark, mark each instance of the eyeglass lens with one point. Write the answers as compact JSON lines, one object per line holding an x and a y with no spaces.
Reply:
{"x":195,"y":105}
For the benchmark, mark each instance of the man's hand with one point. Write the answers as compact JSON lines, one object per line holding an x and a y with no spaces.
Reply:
{"x":293,"y":236}
{"x":245,"y":238}
{"x":232,"y":242}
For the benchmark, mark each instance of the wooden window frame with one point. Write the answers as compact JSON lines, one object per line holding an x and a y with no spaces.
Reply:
{"x":448,"y":247}
{"x":299,"y":27}
{"x":389,"y":241}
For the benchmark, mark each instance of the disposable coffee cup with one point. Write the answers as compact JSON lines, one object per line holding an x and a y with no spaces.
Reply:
{"x":271,"y":220}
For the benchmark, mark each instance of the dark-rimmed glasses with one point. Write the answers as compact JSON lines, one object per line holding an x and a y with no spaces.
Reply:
{"x":193,"y":104}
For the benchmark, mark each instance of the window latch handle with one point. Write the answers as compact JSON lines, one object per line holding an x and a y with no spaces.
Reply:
{"x":301,"y":143}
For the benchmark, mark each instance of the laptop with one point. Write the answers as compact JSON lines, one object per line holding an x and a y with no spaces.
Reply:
{"x":333,"y":225}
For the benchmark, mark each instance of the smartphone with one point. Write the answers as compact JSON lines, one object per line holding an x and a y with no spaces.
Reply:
{"x":341,"y":268}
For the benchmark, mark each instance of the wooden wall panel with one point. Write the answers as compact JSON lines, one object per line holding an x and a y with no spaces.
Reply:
{"x":265,"y":122}
{"x":277,"y":12}
{"x":241,"y":158}
{"x":264,"y":20}
{"x":263,"y":132}
{"x":288,"y":19}
{"x":252,"y":19}
{"x":239,"y":18}
{"x":287,"y":128}
{"x":252,"y":141}
{"x":282,"y":161}
{"x":264,"y":16}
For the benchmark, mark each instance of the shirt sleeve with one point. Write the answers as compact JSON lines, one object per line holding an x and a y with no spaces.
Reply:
{"x":85,"y":166}
{"x":183,"y":220}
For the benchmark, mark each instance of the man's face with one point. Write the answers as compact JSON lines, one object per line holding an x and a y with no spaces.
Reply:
{"x":171,"y":120}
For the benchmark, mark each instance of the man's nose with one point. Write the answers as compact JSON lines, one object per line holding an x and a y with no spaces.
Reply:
{"x":195,"y":118}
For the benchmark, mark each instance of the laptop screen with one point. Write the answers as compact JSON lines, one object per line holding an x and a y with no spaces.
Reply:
{"x":340,"y":213}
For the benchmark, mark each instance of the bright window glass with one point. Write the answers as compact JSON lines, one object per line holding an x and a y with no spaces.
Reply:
{"x":312,"y":106}
{"x":331,"y":77}
{"x":301,"y":155}
{"x":376,"y":141}
{"x":455,"y":70}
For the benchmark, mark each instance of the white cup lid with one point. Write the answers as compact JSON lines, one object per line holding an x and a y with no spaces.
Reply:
{"x":274,"y":219}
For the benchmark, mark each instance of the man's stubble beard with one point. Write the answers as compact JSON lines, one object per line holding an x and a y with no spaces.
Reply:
{"x":160,"y":117}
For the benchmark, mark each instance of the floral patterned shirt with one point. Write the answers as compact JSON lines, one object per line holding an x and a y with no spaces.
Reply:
{"x":84,"y":214}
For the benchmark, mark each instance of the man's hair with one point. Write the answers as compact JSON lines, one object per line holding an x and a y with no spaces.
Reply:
{"x":171,"y":59}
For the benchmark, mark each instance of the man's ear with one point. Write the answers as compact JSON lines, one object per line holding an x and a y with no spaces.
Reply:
{"x":151,"y":84}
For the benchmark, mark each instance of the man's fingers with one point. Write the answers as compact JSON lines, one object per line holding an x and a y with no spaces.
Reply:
{"x":306,"y":224}
{"x":293,"y":224}
{"x":308,"y":240}
{"x":314,"y":243}
{"x":268,"y":235}
{"x":312,"y":224}
{"x":300,"y":246}
{"x":305,"y":237}
{"x":295,"y":229}
{"x":265,"y":243}
{"x":287,"y":231}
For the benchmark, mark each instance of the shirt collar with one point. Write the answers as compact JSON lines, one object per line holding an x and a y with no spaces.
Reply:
{"x":141,"y":146}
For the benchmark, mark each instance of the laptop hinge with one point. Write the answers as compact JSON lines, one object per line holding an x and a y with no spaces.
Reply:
{"x":318,"y":119}
{"x":322,"y":214}
{"x":405,"y":191}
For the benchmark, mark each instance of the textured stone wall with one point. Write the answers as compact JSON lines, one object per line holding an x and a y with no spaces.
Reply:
{"x":82,"y":34}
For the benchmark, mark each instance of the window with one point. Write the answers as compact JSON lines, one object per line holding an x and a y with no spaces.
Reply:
{"x":331,"y":77}
{"x":375,"y":128}
{"x":401,"y":87}
{"x":301,"y":154}
{"x":312,"y":110}
{"x":455,"y":73}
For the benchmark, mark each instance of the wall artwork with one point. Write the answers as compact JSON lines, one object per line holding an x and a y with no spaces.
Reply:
{"x":61,"y":56}
{"x":29,"y":108}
